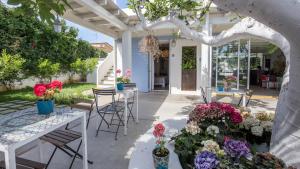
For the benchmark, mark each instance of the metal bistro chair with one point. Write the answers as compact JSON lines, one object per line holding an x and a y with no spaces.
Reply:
{"x":204,"y":95}
{"x":131,"y":100}
{"x":112,"y":109}
{"x":249,"y":94}
{"x":61,"y":138}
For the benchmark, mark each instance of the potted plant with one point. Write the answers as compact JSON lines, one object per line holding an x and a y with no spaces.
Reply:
{"x":123,"y":79}
{"x":160,"y":154}
{"x":228,"y":82}
{"x":45,"y":94}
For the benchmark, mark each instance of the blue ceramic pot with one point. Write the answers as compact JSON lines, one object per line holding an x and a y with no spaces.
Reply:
{"x":120,"y":86}
{"x":45,"y":107}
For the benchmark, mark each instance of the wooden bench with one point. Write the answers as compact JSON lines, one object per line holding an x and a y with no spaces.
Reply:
{"x":25,"y":164}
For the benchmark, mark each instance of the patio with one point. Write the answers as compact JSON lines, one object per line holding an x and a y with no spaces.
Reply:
{"x":106,"y":153}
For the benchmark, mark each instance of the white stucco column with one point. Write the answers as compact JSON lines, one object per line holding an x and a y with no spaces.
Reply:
{"x":126,"y":50}
{"x":118,"y":54}
{"x":205,"y":75}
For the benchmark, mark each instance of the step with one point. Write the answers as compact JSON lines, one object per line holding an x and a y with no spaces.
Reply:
{"x":108,"y":82}
{"x":110,"y":78}
{"x":105,"y":86}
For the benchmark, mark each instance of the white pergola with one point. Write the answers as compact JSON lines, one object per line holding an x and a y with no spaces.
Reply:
{"x":106,"y":17}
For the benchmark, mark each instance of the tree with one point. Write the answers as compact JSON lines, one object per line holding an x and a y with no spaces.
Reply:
{"x":10,"y":69}
{"x":83,"y":67}
{"x":46,"y":70}
{"x":44,"y":9}
{"x":280,"y":22}
{"x":277,"y":22}
{"x":33,"y":39}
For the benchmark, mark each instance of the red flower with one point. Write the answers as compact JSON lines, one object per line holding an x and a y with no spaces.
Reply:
{"x":40,"y":89}
{"x":159,"y":130}
{"x":56,"y":84}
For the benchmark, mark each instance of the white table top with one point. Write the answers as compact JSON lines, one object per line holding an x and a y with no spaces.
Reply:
{"x":141,"y":157}
{"x":22,"y":127}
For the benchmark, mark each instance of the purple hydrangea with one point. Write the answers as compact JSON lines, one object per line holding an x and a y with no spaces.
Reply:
{"x":206,"y":160}
{"x":236,"y":149}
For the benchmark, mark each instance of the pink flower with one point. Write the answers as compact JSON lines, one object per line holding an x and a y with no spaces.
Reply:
{"x":159,"y":130}
{"x":118,"y":71}
{"x":128,"y":73}
{"x":236,"y":118}
{"x":39,"y":89}
{"x":226,"y":138}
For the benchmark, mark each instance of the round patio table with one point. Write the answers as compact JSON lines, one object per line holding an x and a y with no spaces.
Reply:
{"x":141,"y":157}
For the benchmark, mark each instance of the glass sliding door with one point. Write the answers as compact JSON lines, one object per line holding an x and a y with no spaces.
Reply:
{"x":226,"y":64}
{"x":231,"y":61}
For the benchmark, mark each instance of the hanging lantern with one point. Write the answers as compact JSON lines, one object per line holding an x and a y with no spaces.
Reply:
{"x":57,"y":25}
{"x":150,"y":45}
{"x":173,"y":43}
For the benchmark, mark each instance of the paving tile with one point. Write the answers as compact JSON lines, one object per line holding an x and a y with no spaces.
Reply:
{"x":7,"y":111}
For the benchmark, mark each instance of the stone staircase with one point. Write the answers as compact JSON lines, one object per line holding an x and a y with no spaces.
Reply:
{"x":108,"y":80}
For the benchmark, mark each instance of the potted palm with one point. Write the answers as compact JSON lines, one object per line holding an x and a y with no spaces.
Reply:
{"x":160,"y":153}
{"x":123,"y":79}
{"x":45,"y":94}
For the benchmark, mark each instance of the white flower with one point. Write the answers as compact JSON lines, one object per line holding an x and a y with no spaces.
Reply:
{"x":213,"y":130}
{"x":267,"y":125}
{"x":250,"y":122}
{"x":211,"y":146}
{"x":193,"y":128}
{"x":257,"y":130}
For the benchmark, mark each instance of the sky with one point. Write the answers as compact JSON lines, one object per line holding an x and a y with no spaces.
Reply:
{"x":92,"y":36}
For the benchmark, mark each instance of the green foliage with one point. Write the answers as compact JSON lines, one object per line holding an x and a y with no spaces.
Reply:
{"x":184,"y":9}
{"x":189,"y":58}
{"x":34,"y":40}
{"x":102,"y":54}
{"x":47,"y":69}
{"x":69,"y":92}
{"x":45,"y":9}
{"x":84,"y":67}
{"x":10,"y":69}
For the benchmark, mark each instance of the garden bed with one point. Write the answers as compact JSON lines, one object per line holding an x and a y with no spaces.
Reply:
{"x":220,"y":136}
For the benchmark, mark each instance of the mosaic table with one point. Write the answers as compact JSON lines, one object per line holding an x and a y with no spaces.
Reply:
{"x":22,"y":127}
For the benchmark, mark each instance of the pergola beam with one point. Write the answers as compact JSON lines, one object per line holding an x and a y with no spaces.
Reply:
{"x":103,"y":13}
{"x":69,"y":15}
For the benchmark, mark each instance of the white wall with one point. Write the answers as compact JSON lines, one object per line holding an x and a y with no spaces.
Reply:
{"x":103,"y":66}
{"x":30,"y":82}
{"x":175,"y":67}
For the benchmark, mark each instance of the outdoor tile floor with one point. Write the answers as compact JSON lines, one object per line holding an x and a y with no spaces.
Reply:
{"x":110,"y":154}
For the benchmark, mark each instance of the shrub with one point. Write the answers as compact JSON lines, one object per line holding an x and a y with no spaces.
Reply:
{"x":83,"y":67}
{"x":10,"y":69}
{"x":47,"y":69}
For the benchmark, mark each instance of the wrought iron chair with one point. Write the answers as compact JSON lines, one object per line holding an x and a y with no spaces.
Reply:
{"x":25,"y":164}
{"x":61,"y":138}
{"x":113,"y":109}
{"x":249,"y":94}
{"x":131,"y":100}
{"x":204,"y":95}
